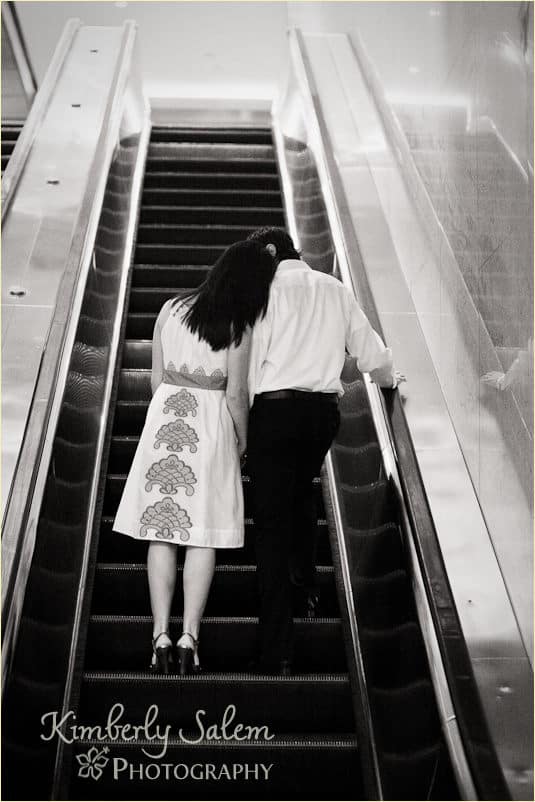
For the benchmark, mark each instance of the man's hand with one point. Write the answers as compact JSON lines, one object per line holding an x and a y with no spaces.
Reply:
{"x":399,"y":378}
{"x":495,"y":379}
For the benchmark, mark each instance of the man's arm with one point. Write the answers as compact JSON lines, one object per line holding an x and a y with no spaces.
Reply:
{"x":363,"y":342}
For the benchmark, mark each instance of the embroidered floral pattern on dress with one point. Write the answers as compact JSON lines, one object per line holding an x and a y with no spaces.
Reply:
{"x":171,"y":473}
{"x":165,"y":520}
{"x":181,"y":403}
{"x":199,"y":371}
{"x":177,"y":435}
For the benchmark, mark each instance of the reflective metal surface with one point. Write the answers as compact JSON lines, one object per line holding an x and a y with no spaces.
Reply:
{"x":38,"y":235}
{"x":467,"y":266}
{"x":36,"y":116}
{"x":52,"y":536}
{"x":364,"y":162}
{"x":18,"y":81}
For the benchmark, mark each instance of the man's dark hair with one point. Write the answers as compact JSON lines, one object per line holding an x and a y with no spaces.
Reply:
{"x":234,"y":296}
{"x":279,"y":238}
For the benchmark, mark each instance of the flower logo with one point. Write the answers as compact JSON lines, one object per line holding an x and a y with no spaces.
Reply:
{"x":92,"y":763}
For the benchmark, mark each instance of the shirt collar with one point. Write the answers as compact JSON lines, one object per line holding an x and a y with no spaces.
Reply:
{"x":291,"y":264}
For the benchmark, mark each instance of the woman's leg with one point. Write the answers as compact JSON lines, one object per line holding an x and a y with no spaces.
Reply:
{"x":199,"y":566}
{"x":161,"y":569}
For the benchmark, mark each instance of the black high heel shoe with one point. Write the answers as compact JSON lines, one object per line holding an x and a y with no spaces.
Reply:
{"x":162,"y":655}
{"x":186,"y":657}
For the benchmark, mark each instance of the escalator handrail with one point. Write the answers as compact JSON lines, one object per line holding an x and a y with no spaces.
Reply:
{"x":21,"y":517}
{"x":389,"y":418}
{"x":41,"y":103}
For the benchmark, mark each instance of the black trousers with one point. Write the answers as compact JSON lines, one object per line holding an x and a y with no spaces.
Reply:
{"x":287,"y":443}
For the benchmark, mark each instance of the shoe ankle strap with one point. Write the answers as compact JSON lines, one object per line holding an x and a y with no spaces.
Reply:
{"x":155,"y":639}
{"x":195,"y":640}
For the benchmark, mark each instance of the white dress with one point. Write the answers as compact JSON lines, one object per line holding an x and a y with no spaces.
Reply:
{"x":184,"y":485}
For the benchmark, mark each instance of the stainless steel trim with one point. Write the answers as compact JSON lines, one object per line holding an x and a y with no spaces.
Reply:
{"x":25,"y":71}
{"x":355,"y":639}
{"x":21,"y":533}
{"x":339,"y":216}
{"x":41,"y":102}
{"x":135,"y":202}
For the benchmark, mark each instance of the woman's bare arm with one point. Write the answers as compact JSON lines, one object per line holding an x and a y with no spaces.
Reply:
{"x":157,"y":352}
{"x":237,"y":390}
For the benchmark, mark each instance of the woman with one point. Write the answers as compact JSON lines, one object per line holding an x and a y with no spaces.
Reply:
{"x":184,"y":486}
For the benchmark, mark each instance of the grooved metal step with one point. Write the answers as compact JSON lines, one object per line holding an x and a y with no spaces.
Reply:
{"x":233,"y":591}
{"x":306,"y":703}
{"x":247,"y":198}
{"x":123,"y":643}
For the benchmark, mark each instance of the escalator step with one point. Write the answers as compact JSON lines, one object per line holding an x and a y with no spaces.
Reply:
{"x":219,"y":152}
{"x":261,"y":136}
{"x":212,"y":215}
{"x":122,"y":643}
{"x":232,"y":166}
{"x":249,"y":198}
{"x":177,"y":277}
{"x":177,"y":254}
{"x":123,"y":590}
{"x":306,"y":703}
{"x":179,"y":234}
{"x":151,"y":299}
{"x":115,"y":547}
{"x":115,"y":484}
{"x":137,"y":354}
{"x":205,"y":180}
{"x":129,"y":416}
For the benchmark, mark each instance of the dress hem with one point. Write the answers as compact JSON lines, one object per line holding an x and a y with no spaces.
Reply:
{"x":193,"y":540}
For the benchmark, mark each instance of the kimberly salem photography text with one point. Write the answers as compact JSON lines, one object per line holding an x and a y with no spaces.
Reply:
{"x":153,"y":740}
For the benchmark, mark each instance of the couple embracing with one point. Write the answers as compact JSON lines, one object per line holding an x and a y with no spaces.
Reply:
{"x":248,"y":363}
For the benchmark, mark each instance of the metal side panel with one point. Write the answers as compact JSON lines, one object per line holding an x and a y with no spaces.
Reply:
{"x":46,"y":538}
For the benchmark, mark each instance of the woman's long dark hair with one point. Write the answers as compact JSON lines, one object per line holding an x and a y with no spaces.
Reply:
{"x":234,"y":296}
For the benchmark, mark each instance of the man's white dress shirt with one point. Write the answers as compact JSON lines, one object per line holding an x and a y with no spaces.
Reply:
{"x":312,"y":320}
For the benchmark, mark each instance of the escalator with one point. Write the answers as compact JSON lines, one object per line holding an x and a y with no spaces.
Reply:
{"x":204,"y":189}
{"x":10,"y":134}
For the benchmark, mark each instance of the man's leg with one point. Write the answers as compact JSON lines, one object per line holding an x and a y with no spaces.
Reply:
{"x":320,"y":421}
{"x":304,"y":533}
{"x":271,"y":463}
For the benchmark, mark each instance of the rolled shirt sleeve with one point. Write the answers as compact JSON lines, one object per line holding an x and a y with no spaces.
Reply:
{"x":363,"y":342}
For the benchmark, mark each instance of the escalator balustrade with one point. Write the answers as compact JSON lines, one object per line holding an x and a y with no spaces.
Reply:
{"x":413,"y":758}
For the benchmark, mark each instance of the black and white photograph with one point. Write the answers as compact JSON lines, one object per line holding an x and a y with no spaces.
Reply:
{"x":267,"y":400}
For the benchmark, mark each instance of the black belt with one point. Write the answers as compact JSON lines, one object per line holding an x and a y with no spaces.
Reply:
{"x":305,"y":395}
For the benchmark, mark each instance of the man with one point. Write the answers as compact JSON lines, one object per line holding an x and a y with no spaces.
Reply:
{"x":297,"y":355}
